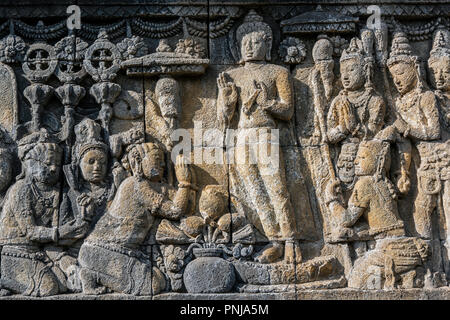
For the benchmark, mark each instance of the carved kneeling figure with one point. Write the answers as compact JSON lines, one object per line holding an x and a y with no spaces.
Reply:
{"x":111,"y":256}
{"x":373,"y":199}
{"x":28,"y":230}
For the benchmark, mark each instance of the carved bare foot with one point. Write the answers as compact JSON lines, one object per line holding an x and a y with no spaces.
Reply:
{"x":89,"y":283}
{"x":271,"y":253}
{"x":292,"y":253}
{"x":5,"y":292}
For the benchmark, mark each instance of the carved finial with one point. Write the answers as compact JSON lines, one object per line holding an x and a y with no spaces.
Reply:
{"x":164,"y":46}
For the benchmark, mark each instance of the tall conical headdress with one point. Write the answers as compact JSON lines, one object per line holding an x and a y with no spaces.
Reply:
{"x":441,"y":46}
{"x":401,"y":50}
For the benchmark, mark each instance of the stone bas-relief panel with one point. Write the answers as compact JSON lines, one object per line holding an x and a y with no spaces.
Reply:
{"x":300,"y":151}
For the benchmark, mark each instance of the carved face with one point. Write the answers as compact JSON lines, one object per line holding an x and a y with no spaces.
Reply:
{"x":47,"y":169}
{"x":440,"y":73}
{"x":6,"y":171}
{"x":352,"y":74}
{"x":168,"y":98}
{"x":365,"y":162}
{"x":153,"y":164}
{"x":253,"y":47}
{"x":93,"y":165}
{"x":404,"y":76}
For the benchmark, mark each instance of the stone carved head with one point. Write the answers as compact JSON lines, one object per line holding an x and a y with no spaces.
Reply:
{"x":354,"y":66}
{"x":254,"y":38}
{"x":322,"y":54}
{"x":373,"y":158}
{"x":439,"y":61}
{"x":167,"y":92}
{"x":90,"y":154}
{"x":145,"y":160}
{"x":403,"y":65}
{"x":41,"y":158}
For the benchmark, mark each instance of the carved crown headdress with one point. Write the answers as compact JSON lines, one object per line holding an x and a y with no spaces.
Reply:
{"x":441,"y":45}
{"x":88,"y":136}
{"x":254,"y":23}
{"x":29,"y":142}
{"x":401,"y":50}
{"x":355,"y":49}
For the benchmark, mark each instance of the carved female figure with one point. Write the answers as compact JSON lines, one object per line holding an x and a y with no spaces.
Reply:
{"x":357,"y":112}
{"x":111,"y":257}
{"x":90,"y":188}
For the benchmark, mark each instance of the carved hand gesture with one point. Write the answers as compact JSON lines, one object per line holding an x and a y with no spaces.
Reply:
{"x":227,"y":89}
{"x":403,"y":183}
{"x":261,"y":100}
{"x":73,"y":230}
{"x":86,"y":204}
{"x":182,"y":170}
{"x":332,"y":190}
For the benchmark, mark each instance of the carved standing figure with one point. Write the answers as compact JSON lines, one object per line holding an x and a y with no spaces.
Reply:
{"x":436,"y":167}
{"x":111,"y":256}
{"x":357,"y":112}
{"x":260,"y":94}
{"x":417,"y":116}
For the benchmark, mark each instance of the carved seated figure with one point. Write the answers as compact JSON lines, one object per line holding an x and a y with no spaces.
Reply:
{"x":28,"y":223}
{"x":373,"y":200}
{"x":357,"y":112}
{"x":110,"y":257}
{"x":89,"y":192}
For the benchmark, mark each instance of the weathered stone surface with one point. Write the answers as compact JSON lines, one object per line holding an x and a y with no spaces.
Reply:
{"x":238,"y":150}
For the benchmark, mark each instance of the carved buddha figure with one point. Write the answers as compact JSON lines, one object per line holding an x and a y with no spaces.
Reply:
{"x":417,"y":120}
{"x":259,"y":94}
{"x":374,"y":200}
{"x":124,"y":227}
{"x":28,"y":221}
{"x":357,"y":112}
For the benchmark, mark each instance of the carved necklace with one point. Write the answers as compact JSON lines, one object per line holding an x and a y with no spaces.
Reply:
{"x":46,"y":202}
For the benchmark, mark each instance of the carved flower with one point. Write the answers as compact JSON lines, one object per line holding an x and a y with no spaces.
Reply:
{"x":12,"y":49}
{"x":292,"y":50}
{"x":339,"y":45}
{"x":174,"y":258}
{"x":132,"y":47}
{"x":191,"y":47}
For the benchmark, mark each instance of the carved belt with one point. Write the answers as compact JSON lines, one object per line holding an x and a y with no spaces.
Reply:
{"x":18,"y":253}
{"x":114,"y":247}
{"x":398,"y":225}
